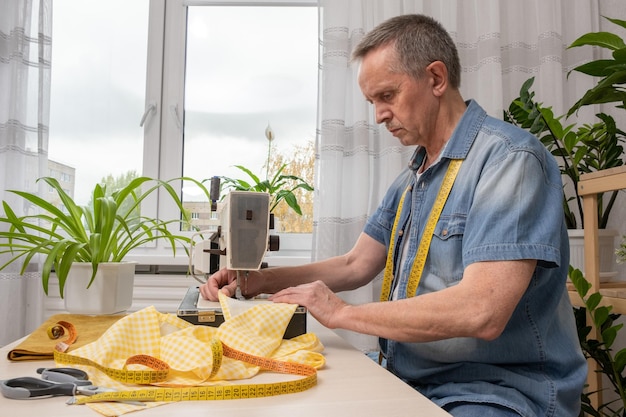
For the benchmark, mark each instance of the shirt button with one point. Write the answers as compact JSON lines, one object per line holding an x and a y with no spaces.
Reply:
{"x":401,"y":232}
{"x":445,"y":232}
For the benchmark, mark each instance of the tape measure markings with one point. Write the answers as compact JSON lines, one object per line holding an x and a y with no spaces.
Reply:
{"x":422,"y":250}
{"x":161,"y":370}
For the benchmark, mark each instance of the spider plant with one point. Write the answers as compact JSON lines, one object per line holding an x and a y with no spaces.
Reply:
{"x":104,"y":231}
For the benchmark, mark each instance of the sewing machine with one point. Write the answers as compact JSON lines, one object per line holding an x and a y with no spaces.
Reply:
{"x":239,"y":239}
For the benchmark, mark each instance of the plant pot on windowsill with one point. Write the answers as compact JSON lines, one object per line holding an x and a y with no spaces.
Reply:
{"x":110,"y":292}
{"x":92,"y":236}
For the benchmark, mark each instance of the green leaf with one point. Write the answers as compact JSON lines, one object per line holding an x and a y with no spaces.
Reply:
{"x":600,"y":314}
{"x":69,"y":254}
{"x":609,"y":335}
{"x":49,"y":263}
{"x":596,"y":68}
{"x":618,"y":22}
{"x":580,"y":283}
{"x":620,"y":361}
{"x":603,"y":39}
{"x":593,"y":301}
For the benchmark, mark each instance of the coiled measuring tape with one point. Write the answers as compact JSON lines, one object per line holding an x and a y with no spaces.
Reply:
{"x":422,"y":250}
{"x":160,"y":371}
{"x":57,"y":330}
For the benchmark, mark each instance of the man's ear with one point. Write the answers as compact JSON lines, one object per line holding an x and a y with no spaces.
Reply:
{"x":438,"y":73}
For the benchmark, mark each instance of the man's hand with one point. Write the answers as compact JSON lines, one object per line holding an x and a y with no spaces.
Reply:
{"x":320,"y":301}
{"x":223,"y":280}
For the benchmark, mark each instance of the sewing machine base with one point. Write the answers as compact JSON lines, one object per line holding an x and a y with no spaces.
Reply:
{"x":213,"y":316}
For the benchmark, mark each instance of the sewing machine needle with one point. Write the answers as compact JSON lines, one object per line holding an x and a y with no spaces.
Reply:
{"x":238,"y":294}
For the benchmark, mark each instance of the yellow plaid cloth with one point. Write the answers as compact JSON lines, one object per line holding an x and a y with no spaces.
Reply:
{"x":252,"y":328}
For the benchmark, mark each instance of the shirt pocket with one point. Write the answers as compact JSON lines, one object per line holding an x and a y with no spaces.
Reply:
{"x":446,"y":249}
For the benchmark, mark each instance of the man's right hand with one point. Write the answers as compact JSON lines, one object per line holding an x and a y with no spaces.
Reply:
{"x":223,"y":280}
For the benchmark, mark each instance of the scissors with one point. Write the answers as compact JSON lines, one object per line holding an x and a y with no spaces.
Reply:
{"x":53,"y":382}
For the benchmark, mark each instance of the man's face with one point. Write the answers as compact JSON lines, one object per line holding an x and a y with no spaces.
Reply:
{"x":403,"y":103}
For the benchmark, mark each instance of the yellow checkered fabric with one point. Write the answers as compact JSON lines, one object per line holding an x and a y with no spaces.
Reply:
{"x":252,"y":328}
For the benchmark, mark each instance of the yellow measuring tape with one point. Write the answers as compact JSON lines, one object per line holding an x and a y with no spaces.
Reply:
{"x":57,"y":330}
{"x":427,"y":235}
{"x":160,"y":371}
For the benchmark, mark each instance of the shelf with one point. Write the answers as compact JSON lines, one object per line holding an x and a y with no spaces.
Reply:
{"x":614,"y":293}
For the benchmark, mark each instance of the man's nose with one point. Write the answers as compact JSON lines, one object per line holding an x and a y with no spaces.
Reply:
{"x":383,"y":114}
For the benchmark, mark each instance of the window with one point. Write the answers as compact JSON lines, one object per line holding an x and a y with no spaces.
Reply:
{"x":98,"y":89}
{"x":243,"y":66}
{"x":239,"y":81}
{"x":176,"y":87}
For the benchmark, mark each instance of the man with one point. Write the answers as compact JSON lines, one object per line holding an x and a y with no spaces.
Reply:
{"x":483,"y":325}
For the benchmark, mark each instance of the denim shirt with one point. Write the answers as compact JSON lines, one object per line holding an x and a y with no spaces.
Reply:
{"x":506,"y":204}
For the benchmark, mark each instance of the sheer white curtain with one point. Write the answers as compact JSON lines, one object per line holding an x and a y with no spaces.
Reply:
{"x":501,"y":44}
{"x":25,"y":48}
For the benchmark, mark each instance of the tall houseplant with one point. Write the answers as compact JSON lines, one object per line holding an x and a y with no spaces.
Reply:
{"x":578,"y":149}
{"x":585,"y":148}
{"x":103,"y":232}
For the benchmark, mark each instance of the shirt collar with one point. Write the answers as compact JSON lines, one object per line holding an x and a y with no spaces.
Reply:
{"x":462,"y":137}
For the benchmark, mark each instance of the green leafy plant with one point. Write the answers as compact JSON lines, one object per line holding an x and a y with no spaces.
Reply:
{"x":611,"y":87}
{"x":600,"y":349}
{"x":105,"y":231}
{"x":586,"y":148}
{"x":577,"y":149}
{"x":279,"y":186}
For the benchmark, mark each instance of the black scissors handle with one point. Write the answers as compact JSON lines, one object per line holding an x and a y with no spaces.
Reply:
{"x":28,"y":387}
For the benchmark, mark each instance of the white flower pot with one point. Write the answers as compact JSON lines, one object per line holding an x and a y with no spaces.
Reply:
{"x":608,"y":263}
{"x":111,"y":291}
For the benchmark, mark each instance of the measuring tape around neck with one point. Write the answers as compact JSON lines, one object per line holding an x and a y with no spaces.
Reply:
{"x":197,"y":393}
{"x":422,"y":251}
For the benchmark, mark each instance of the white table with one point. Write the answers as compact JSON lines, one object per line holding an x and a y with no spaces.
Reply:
{"x":349,"y":384}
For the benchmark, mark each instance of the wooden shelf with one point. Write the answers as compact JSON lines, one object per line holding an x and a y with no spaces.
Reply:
{"x":614,"y":293}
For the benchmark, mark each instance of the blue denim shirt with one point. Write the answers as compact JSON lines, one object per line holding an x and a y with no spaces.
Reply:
{"x":506,"y":204}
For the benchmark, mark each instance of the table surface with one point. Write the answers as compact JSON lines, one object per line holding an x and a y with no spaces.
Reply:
{"x":350,"y":382}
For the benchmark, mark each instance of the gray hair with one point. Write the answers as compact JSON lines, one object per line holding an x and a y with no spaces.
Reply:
{"x":418,"y":41}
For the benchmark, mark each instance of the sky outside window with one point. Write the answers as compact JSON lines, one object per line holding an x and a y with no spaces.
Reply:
{"x":247,"y":67}
{"x":98,"y":88}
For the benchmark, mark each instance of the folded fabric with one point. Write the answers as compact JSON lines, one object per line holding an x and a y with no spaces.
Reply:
{"x":39,"y":346}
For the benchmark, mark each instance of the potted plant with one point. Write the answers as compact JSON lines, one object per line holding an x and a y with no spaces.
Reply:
{"x":587,"y":148}
{"x":279,"y":186}
{"x":577,"y":149}
{"x":94,"y":239}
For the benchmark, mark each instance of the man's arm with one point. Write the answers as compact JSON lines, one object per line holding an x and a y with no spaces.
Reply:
{"x":479,"y":306}
{"x":346,"y":272}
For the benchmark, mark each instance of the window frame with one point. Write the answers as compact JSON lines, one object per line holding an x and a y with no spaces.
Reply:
{"x":164,"y":120}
